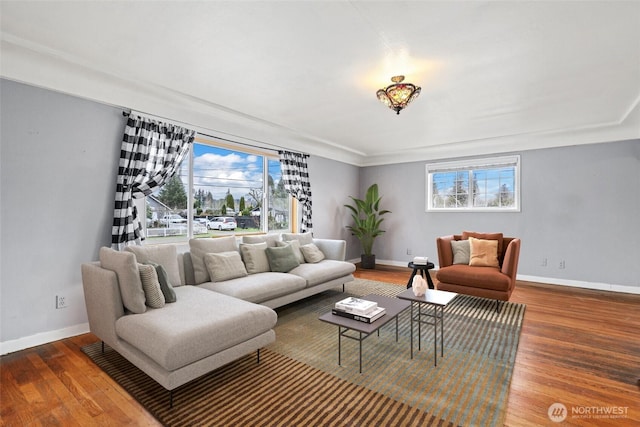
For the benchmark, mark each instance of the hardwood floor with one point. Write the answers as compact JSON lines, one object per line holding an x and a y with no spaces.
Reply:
{"x":578,"y":347}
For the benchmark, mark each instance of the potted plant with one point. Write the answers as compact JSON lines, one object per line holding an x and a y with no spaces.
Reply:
{"x":367,"y":217}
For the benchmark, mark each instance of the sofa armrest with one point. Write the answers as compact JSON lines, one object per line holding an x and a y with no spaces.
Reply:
{"x":103,"y":301}
{"x":445,"y":253}
{"x":511,"y":256}
{"x":332,"y":249}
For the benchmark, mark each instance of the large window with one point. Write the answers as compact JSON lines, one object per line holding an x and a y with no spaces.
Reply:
{"x":234,"y":191}
{"x":491,"y":184}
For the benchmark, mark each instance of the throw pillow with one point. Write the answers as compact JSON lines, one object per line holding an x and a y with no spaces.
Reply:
{"x":461,"y":251}
{"x":151,"y":286}
{"x":165,"y":283}
{"x":200,"y":247}
{"x":255,"y":257}
{"x":295,"y":245}
{"x":282,"y":259}
{"x":126,"y":268}
{"x":486,"y":236}
{"x":312,"y":253}
{"x":484,"y":253}
{"x":303,"y":238}
{"x":165,"y":255}
{"x":224,"y":266}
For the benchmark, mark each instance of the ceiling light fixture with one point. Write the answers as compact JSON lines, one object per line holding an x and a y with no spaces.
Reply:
{"x":398,"y":95}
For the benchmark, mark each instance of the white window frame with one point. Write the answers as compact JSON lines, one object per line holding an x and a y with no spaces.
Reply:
{"x":469,"y":166}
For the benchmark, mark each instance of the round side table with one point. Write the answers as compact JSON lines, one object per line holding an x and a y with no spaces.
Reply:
{"x":424,"y":271}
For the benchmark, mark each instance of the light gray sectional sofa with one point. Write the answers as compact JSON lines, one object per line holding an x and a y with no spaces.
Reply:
{"x":224,"y":295}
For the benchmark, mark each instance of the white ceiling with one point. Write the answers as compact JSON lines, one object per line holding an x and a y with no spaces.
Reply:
{"x":495,"y":76}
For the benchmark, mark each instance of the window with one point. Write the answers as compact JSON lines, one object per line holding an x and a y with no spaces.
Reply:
{"x":235,"y":191}
{"x":491,"y":184}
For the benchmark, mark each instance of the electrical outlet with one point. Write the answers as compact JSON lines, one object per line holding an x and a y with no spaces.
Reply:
{"x":409,"y":251}
{"x":562,"y":265}
{"x":61,"y":301}
{"x":544,"y":262}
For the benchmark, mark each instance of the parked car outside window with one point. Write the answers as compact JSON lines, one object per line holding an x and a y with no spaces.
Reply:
{"x":173,"y":219}
{"x":222,"y":223}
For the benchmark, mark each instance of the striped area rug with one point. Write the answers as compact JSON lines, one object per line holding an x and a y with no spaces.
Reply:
{"x":298,"y":380}
{"x":470,"y":384}
{"x":278,"y":391}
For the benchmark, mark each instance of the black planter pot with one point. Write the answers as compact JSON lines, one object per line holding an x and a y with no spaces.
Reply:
{"x":368,"y":261}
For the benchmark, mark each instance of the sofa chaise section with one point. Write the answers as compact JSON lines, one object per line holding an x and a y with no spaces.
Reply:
{"x":167,"y":365}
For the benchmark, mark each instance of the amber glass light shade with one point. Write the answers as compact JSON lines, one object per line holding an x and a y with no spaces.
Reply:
{"x":398,"y":95}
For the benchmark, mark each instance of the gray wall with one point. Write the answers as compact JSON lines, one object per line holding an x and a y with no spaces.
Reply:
{"x":580,"y":204}
{"x":58,"y":165}
{"x":331,"y":185}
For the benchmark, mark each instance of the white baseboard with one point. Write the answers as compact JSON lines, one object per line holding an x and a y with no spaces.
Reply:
{"x":548,"y":280}
{"x":11,"y":346}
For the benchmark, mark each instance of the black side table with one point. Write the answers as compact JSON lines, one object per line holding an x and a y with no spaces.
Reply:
{"x":424,"y":271}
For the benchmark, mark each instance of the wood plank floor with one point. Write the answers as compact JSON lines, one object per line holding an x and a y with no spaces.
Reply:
{"x":578,"y":347}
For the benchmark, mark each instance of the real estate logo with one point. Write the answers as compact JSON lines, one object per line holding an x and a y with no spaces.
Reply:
{"x":557,"y":412}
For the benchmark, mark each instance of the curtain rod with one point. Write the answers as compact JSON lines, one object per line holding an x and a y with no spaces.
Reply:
{"x":276,"y":149}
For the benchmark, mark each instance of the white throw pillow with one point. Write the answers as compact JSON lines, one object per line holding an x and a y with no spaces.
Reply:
{"x":312,"y":253}
{"x":126,"y":268}
{"x":255,"y":257}
{"x":224,"y":266}
{"x":200,"y":247}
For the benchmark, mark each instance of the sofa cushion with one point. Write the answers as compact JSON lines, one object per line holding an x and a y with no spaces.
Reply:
{"x":323,"y":271}
{"x":126,"y":268}
{"x":224,"y":266}
{"x":153,"y":295}
{"x":165,"y":255}
{"x":483,"y":253}
{"x":165,"y":283}
{"x":255,"y":257}
{"x":303,"y":238}
{"x":199,"y":324}
{"x":200,"y":247}
{"x":311,"y":253}
{"x":282,"y":259}
{"x":258,"y":287}
{"x":270,"y":239}
{"x":476,"y":277}
{"x":295,"y":245}
{"x":461,"y":251}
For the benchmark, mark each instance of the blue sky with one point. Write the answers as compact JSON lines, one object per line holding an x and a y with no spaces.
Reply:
{"x":218,"y":170}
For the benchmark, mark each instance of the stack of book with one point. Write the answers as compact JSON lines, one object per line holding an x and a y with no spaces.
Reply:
{"x":358,"y":309}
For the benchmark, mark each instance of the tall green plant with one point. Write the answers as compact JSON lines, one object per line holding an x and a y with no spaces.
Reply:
{"x":367,"y":217}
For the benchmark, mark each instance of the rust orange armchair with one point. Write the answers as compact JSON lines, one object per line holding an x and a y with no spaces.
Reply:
{"x":495,"y":282}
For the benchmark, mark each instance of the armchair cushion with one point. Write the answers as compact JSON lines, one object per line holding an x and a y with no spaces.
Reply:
{"x":486,"y":236}
{"x":484,"y":253}
{"x":476,"y":277}
{"x":461,"y":251}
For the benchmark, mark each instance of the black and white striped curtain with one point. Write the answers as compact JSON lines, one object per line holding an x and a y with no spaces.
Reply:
{"x":150,"y":155}
{"x":296,"y":182}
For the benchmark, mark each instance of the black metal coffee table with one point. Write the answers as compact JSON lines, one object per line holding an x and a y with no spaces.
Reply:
{"x":393,"y":307}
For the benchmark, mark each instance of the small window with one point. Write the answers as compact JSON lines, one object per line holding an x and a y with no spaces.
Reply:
{"x":490,"y":185}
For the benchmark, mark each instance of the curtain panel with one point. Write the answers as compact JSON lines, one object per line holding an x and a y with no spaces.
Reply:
{"x":296,"y":182}
{"x":150,"y":154}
